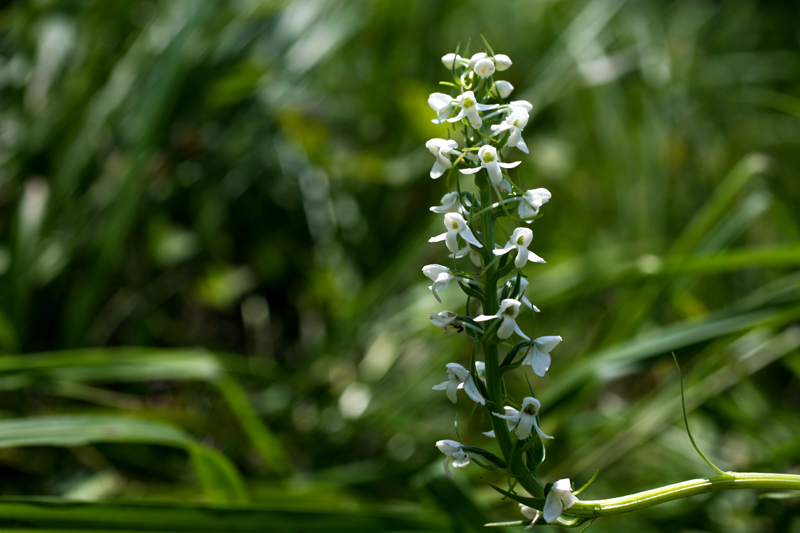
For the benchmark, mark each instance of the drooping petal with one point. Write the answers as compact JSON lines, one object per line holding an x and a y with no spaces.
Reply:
{"x":502,"y":251}
{"x":484,"y":318}
{"x":552,"y":507}
{"x":533,"y":258}
{"x":495,"y":174}
{"x":470,"y":170}
{"x":438,"y":238}
{"x":522,"y":256}
{"x":522,"y":146}
{"x":526,"y":423}
{"x":451,"y":241}
{"x":510,"y":165}
{"x":506,"y":328}
{"x":437,"y":170}
{"x":514,"y":137}
{"x":539,"y":431}
{"x":468,"y":236}
{"x":472,"y":391}
{"x":539,"y":361}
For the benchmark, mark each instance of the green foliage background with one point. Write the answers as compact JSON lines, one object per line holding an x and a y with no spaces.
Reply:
{"x":213,"y":217}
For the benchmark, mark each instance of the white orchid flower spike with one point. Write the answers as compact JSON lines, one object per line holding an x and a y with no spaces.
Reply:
{"x":525,"y":419}
{"x":509,"y":309}
{"x":531,"y":202}
{"x":529,"y":513}
{"x":456,"y":225}
{"x":443,"y":104}
{"x":441,"y":149}
{"x":469,"y":109}
{"x":559,"y":498}
{"x":489,"y":160}
{"x":514,"y":124}
{"x":459,"y":377}
{"x":520,"y":240}
{"x":539,"y":357}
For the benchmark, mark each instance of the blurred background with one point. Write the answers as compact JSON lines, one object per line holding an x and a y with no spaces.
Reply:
{"x":214,"y":215}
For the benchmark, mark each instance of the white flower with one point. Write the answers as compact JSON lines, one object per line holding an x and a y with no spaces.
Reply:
{"x":505,"y":186}
{"x":443,"y":104}
{"x":475,"y":58}
{"x":509,"y":309}
{"x":512,"y":414}
{"x":532,"y":201}
{"x":539,"y":357}
{"x":441,"y":277}
{"x":484,"y":67}
{"x":529,"y":512}
{"x":450,"y":203}
{"x":474,"y":256}
{"x":459,"y":377}
{"x":503,"y":88}
{"x":525,"y":420}
{"x":520,"y":239}
{"x":454,"y":454}
{"x":456,"y":225}
{"x":441,"y":148}
{"x":559,"y":498}
{"x":502,"y":62}
{"x":448,"y":321}
{"x":514,"y":124}
{"x":523,"y":285}
{"x":516,"y":105}
{"x":448,"y":60}
{"x":488,"y":156}
{"x":469,"y":109}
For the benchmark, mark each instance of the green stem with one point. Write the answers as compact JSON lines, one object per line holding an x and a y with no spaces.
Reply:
{"x":494,"y":378}
{"x":648,"y":498}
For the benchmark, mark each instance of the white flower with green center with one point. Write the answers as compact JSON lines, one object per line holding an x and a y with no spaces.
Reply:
{"x":455,"y":225}
{"x":484,"y":67}
{"x":502,"y":62}
{"x":514,"y":124}
{"x":531,"y":202}
{"x":454,"y":454}
{"x":539,"y":356}
{"x":441,"y":149}
{"x":525,"y":419}
{"x":489,"y":160}
{"x":509,"y":309}
{"x":459,"y":377}
{"x":443,"y":104}
{"x":520,"y":240}
{"x":504,"y":88}
{"x":558,"y":499}
{"x":529,"y":513}
{"x":469,"y":109}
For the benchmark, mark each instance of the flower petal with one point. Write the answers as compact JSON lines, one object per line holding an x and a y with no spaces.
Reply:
{"x":472,"y":391}
{"x":552,"y":507}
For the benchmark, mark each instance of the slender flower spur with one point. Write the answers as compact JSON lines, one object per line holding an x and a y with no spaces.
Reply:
{"x":558,"y":499}
{"x":459,"y":377}
{"x":454,"y":454}
{"x":489,"y":160}
{"x":456,"y":225}
{"x":525,"y":419}
{"x":520,"y":240}
{"x":509,"y":309}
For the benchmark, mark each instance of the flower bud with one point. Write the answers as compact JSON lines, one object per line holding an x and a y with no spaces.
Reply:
{"x":448,"y":60}
{"x":502,"y":62}
{"x":484,"y":67}
{"x":475,"y":58}
{"x":504,"y":88}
